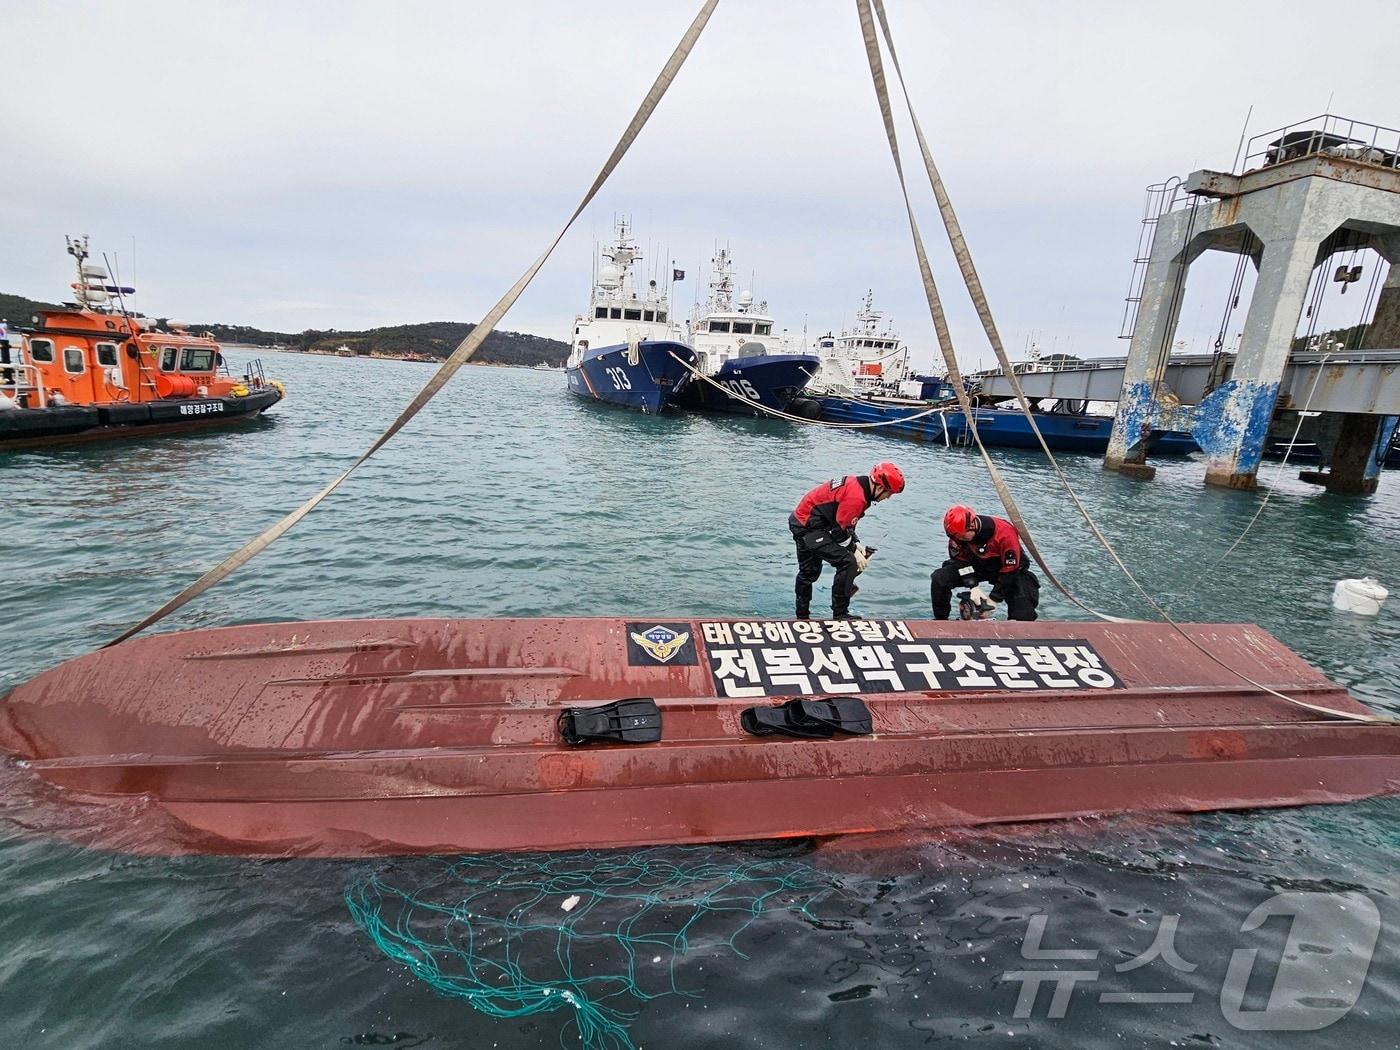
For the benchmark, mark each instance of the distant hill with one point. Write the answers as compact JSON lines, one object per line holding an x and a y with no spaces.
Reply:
{"x":17,"y":310}
{"x":435,"y":338}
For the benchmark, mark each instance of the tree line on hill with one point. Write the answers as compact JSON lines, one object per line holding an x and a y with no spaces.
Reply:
{"x":434,"y":339}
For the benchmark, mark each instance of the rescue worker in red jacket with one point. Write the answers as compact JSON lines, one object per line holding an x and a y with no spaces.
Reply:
{"x":984,"y":549}
{"x":824,"y":529}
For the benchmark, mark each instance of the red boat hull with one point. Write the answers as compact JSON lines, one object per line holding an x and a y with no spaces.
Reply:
{"x":406,"y":736}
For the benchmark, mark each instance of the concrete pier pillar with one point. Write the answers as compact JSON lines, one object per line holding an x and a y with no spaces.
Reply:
{"x":1358,"y":455}
{"x":1235,"y":417}
{"x":1162,"y":288}
{"x":1362,"y":441}
{"x":1289,"y":213}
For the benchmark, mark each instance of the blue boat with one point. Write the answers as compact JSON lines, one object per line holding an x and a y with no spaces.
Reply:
{"x":738,"y":349}
{"x":643,"y":376}
{"x":942,"y":422}
{"x":767,"y":380}
{"x":626,"y":350}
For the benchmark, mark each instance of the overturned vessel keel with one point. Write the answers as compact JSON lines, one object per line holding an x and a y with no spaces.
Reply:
{"x":343,"y":738}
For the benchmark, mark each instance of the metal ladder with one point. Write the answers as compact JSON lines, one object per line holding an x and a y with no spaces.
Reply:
{"x":1160,"y":198}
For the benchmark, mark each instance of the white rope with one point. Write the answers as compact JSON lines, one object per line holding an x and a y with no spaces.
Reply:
{"x":1278,"y":475}
{"x":802,"y":419}
{"x":464,"y":350}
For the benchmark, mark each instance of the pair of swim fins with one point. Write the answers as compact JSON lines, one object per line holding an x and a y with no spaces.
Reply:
{"x":810,"y":718}
{"x":636,"y":720}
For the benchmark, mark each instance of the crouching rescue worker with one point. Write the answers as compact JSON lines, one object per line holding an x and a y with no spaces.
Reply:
{"x":984,"y":549}
{"x":824,"y":528}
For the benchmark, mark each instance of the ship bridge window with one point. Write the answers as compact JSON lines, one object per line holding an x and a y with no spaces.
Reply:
{"x":74,"y":360}
{"x":765,"y":329}
{"x":41,"y":351}
{"x":719,"y":326}
{"x":106,"y":354}
{"x":600,"y":311}
{"x":661,"y":315}
{"x":168,"y":355}
{"x":648,"y":315}
{"x":616,"y":314}
{"x":197,"y":359}
{"x":743,"y":327}
{"x":631,"y":315}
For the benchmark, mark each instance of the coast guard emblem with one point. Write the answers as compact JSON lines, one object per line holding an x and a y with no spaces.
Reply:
{"x":659,"y":644}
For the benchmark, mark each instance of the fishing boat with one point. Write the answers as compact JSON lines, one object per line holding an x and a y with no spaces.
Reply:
{"x":92,"y":371}
{"x":750,"y":367}
{"x":343,"y":738}
{"x":626,"y":350}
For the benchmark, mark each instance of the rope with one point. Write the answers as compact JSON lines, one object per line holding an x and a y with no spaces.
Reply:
{"x":464,"y":350}
{"x":1278,"y":475}
{"x":801,"y":419}
{"x":1367,"y":305}
{"x":974,"y":287}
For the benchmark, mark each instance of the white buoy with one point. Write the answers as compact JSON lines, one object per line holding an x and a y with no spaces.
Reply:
{"x":1362,"y":597}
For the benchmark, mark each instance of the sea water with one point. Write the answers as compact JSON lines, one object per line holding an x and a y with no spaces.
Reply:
{"x":506,"y":496}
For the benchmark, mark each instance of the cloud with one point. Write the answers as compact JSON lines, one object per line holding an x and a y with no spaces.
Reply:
{"x":332,"y":164}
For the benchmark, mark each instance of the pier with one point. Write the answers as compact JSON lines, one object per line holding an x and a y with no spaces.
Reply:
{"x":1304,"y":194}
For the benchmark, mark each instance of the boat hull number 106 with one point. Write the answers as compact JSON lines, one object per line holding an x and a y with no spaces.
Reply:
{"x":742,"y":387}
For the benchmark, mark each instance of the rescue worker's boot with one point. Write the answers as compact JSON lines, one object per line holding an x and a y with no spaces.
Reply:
{"x":804,"y":599}
{"x":841,"y":607}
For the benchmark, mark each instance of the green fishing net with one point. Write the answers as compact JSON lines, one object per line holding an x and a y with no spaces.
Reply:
{"x":594,"y":933}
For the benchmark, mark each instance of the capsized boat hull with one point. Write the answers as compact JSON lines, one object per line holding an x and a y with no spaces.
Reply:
{"x":345,"y":738}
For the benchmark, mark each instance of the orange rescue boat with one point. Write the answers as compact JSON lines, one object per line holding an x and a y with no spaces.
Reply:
{"x":93,"y":371}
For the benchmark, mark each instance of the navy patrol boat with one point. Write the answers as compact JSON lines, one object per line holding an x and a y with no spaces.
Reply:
{"x":626,"y":350}
{"x":749,"y":367}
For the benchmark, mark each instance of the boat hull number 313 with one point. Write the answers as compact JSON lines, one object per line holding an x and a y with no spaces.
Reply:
{"x":619,"y":378}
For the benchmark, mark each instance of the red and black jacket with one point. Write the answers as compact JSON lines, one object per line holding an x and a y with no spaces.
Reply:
{"x":834,"y":507}
{"x":995,"y":551}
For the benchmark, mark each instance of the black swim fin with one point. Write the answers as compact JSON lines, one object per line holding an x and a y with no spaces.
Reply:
{"x":636,"y":720}
{"x":818,"y":719}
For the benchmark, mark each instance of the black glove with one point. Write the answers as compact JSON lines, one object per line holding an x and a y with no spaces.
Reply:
{"x":996,"y":594}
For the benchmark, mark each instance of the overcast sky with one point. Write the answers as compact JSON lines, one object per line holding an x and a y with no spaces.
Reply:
{"x":347,"y":165}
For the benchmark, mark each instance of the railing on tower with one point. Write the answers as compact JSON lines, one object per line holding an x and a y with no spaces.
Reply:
{"x":1326,"y":135}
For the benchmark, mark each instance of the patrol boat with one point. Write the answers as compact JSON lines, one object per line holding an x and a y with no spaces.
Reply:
{"x":749,"y":367}
{"x":93,"y":370}
{"x":867,"y":358}
{"x":626,"y":350}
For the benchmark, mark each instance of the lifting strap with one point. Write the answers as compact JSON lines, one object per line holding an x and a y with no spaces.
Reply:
{"x":464,"y":350}
{"x":935,"y":308}
{"x":974,"y":287}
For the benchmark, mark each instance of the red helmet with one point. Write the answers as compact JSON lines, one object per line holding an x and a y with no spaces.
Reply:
{"x":959,"y":519}
{"x":888,"y":475}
